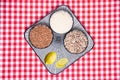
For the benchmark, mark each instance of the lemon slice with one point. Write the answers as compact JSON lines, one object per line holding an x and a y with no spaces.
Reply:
{"x":61,"y":63}
{"x":50,"y":58}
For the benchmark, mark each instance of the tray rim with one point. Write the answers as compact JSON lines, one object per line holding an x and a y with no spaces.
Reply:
{"x":37,"y":22}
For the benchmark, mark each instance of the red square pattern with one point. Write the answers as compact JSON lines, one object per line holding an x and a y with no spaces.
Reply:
{"x":101,"y":18}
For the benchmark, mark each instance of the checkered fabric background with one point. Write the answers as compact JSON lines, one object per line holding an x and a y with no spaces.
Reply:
{"x":100,"y":18}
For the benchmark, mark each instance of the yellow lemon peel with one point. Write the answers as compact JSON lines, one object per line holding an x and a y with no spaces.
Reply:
{"x":50,"y":58}
{"x":61,"y":63}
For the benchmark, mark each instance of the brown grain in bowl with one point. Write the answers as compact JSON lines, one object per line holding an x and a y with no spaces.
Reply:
{"x":40,"y":36}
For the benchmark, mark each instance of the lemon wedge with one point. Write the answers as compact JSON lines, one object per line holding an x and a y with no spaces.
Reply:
{"x":50,"y":58}
{"x":61,"y":63}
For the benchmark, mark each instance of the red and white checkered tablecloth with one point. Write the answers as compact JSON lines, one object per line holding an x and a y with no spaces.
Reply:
{"x":101,"y":18}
